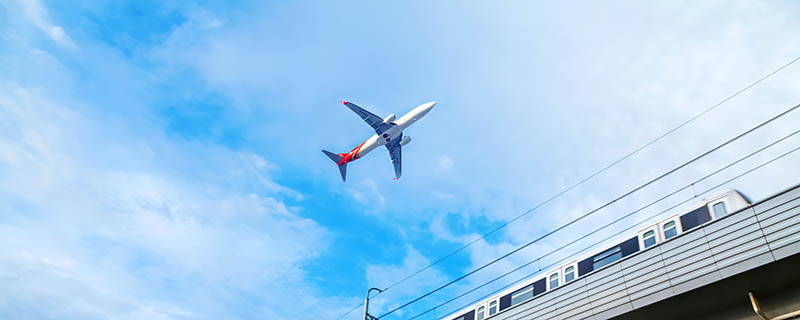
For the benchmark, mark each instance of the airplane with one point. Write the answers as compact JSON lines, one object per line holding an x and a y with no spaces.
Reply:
{"x":388,"y":132}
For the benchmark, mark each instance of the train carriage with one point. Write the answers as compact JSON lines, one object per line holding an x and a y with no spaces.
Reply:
{"x":664,"y":229}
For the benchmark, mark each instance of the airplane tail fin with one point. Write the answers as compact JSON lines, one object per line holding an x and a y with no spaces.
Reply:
{"x":336,"y":159}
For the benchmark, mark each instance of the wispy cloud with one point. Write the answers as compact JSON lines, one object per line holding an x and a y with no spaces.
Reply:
{"x":108,"y":211}
{"x":104,"y":228}
{"x":38,"y":15}
{"x":366,"y":191}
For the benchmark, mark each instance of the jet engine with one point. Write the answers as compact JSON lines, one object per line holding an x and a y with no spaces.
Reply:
{"x":389,"y":118}
{"x":405,"y":140}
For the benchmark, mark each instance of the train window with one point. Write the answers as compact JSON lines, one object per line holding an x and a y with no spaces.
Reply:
{"x":522,"y":295}
{"x":492,"y":307}
{"x":540,"y":286}
{"x":569,"y":274}
{"x":695,"y":218}
{"x":649,"y":238}
{"x":719,"y":209}
{"x":670,"y":230}
{"x":481,"y":312}
{"x":607,"y":257}
{"x":554,"y":281}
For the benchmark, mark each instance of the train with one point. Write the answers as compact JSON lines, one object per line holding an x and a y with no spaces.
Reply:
{"x":663,"y":229}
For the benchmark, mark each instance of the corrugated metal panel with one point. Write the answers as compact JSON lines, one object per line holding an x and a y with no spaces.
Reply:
{"x":776,"y":214}
{"x":541,"y":307}
{"x":778,"y":200}
{"x":646,"y":277}
{"x":738,"y":242}
{"x":573,"y":300}
{"x":606,"y":289}
{"x":581,"y":310}
{"x":688,"y":261}
{"x":779,"y":218}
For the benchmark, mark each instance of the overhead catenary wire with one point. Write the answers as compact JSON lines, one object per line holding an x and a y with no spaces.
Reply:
{"x":626,"y":216}
{"x":642,"y":221}
{"x":582,"y":181}
{"x":609,"y":166}
{"x":712,"y":150}
{"x":687,"y":186}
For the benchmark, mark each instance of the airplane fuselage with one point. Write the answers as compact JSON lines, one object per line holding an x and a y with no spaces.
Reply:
{"x":393,"y":132}
{"x":388,"y":133}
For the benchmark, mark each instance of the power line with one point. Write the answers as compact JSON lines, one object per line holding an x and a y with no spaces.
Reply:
{"x":598,"y":172}
{"x":559,"y":194}
{"x":622,"y":218}
{"x":351,"y":310}
{"x":638,"y":223}
{"x":598,"y":208}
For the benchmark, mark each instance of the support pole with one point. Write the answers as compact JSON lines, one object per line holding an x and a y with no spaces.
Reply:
{"x":367,"y":316}
{"x":757,"y":310}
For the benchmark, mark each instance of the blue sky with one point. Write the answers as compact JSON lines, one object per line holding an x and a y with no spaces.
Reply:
{"x":162,"y":161}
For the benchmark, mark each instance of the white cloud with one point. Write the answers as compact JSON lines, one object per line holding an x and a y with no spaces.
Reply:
{"x":557,"y":101}
{"x":383,"y":275}
{"x":104,"y":240}
{"x":625,"y":87}
{"x":445,"y":163}
{"x":366,"y":191}
{"x":38,"y":15}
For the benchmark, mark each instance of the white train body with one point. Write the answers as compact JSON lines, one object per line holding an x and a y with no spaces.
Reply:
{"x":660,"y":229}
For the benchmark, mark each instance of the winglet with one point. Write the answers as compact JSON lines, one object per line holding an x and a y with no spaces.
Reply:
{"x":343,"y":102}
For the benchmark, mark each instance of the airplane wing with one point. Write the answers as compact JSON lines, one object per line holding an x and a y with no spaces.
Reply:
{"x":395,"y":151}
{"x":370,"y":118}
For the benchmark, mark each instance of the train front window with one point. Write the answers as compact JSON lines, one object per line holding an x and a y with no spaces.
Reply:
{"x":649,"y":238}
{"x":522,"y":295}
{"x":607,"y":257}
{"x":554,"y":281}
{"x":670,"y":230}
{"x":481,"y":312}
{"x":719,"y":209}
{"x":492,"y":307}
{"x":569,"y":274}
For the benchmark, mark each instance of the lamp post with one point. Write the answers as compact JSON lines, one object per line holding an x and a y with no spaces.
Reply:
{"x":367,"y":316}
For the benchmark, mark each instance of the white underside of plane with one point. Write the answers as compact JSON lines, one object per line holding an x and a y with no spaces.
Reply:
{"x":388,"y":132}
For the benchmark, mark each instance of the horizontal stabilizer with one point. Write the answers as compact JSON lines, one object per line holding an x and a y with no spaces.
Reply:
{"x":337,"y":159}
